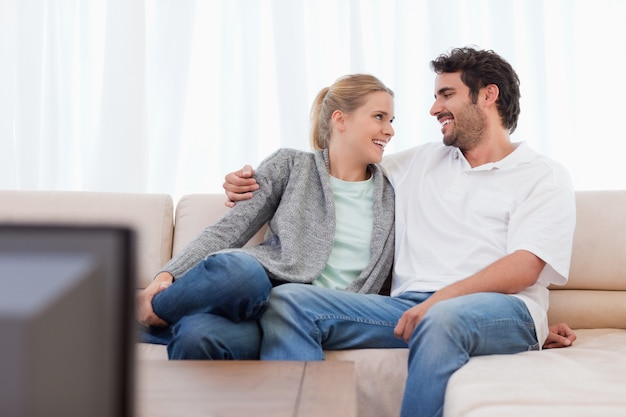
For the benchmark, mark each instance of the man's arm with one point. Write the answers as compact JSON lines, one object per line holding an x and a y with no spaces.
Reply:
{"x":239,"y":185}
{"x":509,"y":275}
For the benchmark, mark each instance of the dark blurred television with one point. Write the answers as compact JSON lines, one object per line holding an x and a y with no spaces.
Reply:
{"x":66,"y":321}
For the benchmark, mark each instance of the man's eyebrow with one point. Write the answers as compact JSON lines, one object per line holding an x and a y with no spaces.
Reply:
{"x":444,"y":90}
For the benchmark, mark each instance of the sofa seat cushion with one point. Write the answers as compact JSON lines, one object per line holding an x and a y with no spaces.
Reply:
{"x":148,"y":351}
{"x":586,"y":379}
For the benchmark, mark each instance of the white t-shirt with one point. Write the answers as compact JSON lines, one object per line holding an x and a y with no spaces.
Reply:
{"x":453,"y":220}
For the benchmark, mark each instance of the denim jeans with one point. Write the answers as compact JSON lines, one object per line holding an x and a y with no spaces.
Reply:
{"x":213,"y":309}
{"x":301,"y":321}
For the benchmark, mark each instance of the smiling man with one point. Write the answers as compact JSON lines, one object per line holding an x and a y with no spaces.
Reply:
{"x":483,"y":226}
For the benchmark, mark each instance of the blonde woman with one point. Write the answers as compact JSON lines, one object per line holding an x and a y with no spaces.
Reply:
{"x":331,"y":224}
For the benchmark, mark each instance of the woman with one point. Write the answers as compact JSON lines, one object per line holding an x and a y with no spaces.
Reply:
{"x":331,"y":219}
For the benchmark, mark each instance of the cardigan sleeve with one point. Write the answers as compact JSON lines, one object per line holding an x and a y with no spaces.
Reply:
{"x":241,"y":222}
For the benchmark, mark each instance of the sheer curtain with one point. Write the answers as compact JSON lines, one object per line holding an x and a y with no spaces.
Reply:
{"x":164,"y":96}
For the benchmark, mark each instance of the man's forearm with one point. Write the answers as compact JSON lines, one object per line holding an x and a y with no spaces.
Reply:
{"x":509,"y":275}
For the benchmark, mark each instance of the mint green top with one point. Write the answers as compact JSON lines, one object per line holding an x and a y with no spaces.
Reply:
{"x":350,"y":254}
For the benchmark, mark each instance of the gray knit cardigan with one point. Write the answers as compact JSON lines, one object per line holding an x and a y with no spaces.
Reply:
{"x":296,"y":199}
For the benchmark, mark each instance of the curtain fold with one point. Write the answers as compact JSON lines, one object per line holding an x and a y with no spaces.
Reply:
{"x":161,"y":96}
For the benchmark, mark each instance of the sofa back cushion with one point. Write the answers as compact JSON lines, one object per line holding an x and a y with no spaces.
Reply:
{"x":194,"y":212}
{"x":150,"y":216}
{"x":599,"y":252}
{"x":595,"y":295}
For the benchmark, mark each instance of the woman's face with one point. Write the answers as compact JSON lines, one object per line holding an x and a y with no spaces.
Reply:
{"x":368,"y":129}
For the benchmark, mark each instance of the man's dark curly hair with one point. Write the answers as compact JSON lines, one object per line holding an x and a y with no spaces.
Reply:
{"x":480,"y":68}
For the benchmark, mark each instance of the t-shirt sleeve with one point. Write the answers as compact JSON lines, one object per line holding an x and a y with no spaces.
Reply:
{"x":544,"y":225}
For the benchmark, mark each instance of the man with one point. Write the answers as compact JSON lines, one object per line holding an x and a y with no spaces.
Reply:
{"x":483,"y":226}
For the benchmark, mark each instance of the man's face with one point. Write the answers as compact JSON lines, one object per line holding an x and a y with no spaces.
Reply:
{"x":462,"y":122}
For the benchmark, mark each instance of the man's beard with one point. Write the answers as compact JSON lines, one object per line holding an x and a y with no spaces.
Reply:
{"x":468,"y":130}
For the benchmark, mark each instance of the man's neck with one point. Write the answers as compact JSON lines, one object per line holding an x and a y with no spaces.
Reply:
{"x":492,"y":148}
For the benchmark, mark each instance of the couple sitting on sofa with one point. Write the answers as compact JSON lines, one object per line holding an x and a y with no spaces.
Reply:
{"x":491,"y":225}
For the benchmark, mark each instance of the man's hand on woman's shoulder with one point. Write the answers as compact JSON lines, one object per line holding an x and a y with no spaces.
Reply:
{"x":239,"y":185}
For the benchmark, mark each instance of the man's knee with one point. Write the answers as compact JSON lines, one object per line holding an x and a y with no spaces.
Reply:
{"x":461,"y":320}
{"x":445,"y":322}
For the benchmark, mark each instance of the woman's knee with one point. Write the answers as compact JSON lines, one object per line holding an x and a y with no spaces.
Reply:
{"x":239,"y":271}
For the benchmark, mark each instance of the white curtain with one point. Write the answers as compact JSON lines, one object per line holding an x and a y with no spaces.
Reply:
{"x":168,"y":96}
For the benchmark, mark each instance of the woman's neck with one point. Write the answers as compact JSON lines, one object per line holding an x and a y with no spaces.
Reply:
{"x":342,"y":168}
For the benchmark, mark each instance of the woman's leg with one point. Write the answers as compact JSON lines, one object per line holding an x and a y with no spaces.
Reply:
{"x":454,"y":330}
{"x":233,"y":285}
{"x":303,"y":320}
{"x":154,"y":335}
{"x":210,"y":336}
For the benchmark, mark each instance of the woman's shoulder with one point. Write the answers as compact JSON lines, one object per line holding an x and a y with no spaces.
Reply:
{"x":290,"y":154}
{"x":284,"y":162}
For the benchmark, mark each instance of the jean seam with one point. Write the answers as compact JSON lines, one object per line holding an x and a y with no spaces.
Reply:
{"x":324,"y":317}
{"x":513,"y":321}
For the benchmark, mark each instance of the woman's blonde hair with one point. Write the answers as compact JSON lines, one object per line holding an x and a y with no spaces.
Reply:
{"x":347,"y":94}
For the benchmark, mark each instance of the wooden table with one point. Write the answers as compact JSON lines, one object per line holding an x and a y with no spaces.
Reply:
{"x":245,"y":388}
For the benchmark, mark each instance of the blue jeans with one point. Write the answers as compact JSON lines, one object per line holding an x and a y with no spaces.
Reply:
{"x":301,"y":321}
{"x":213,"y":310}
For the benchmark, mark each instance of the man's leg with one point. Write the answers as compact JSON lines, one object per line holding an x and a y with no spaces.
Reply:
{"x":210,"y":336}
{"x":303,"y":320}
{"x":233,"y":285}
{"x":450,"y":333}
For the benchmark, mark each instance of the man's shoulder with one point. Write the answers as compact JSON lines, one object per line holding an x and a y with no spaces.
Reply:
{"x":415,"y":151}
{"x":415,"y":155}
{"x":548,"y":167}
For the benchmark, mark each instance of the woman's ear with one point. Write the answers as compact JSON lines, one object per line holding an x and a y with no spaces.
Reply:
{"x":339,"y":120}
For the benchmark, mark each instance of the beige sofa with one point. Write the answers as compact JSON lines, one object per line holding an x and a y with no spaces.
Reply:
{"x":587,"y":379}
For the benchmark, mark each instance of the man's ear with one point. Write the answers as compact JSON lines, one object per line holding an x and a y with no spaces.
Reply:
{"x":339,"y":120}
{"x":491,"y":93}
